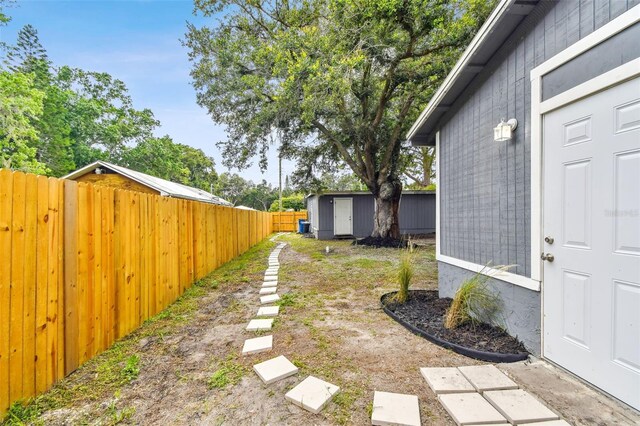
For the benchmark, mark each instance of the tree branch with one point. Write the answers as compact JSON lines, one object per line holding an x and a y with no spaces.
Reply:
{"x":340,"y":147}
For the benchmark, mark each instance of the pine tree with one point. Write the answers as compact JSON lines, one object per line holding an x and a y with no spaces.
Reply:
{"x":29,"y":56}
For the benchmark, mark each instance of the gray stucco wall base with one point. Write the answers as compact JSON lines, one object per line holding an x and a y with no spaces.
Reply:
{"x":521,"y":307}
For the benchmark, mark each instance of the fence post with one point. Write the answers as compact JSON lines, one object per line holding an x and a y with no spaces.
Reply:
{"x":70,"y":294}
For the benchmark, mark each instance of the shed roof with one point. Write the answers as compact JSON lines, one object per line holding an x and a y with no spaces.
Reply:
{"x":504,"y":19}
{"x":408,"y":192}
{"x":165,"y":187}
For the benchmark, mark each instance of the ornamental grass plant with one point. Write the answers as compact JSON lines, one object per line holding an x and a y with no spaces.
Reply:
{"x":474,"y":301}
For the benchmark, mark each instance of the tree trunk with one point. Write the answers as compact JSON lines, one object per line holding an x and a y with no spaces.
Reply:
{"x":387,"y":202}
{"x":427,"y":163}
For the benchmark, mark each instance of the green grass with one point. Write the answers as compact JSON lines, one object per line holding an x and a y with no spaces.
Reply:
{"x":229,"y":373}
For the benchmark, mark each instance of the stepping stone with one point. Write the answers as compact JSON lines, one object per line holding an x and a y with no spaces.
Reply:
{"x":269,"y":284}
{"x":395,"y":409}
{"x":470,"y":409}
{"x":275,"y":369}
{"x":551,"y":423}
{"x":446,"y":380}
{"x":274,"y":269}
{"x":257,"y":345}
{"x":312,"y":394}
{"x":487,"y":378}
{"x":519,"y":406}
{"x":269,"y":299}
{"x":268,"y":290}
{"x":271,"y":278}
{"x":260,"y":324}
{"x":268,"y":311}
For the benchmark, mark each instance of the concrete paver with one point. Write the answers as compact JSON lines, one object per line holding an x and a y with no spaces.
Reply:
{"x":270,"y":278}
{"x":312,"y":394}
{"x":268,"y":311}
{"x":269,"y":299}
{"x":275,"y":369}
{"x":395,"y":409}
{"x":470,"y":409}
{"x":260,"y":324}
{"x":268,"y":290}
{"x":269,"y":284}
{"x":487,"y":377}
{"x":446,"y":380}
{"x":257,"y":345}
{"x":519,"y":406}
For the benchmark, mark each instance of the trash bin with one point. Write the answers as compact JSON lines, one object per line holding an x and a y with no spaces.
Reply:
{"x":301,"y":226}
{"x":305,"y":226}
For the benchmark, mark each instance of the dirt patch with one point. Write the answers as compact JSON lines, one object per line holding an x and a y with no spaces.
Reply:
{"x":331,"y":326}
{"x":425,"y":311}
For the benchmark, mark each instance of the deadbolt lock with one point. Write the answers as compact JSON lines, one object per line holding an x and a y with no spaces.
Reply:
{"x":547,"y":256}
{"x":548,"y":240}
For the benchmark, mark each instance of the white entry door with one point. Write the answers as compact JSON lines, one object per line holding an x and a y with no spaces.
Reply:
{"x":342,"y":214}
{"x":592,"y":213}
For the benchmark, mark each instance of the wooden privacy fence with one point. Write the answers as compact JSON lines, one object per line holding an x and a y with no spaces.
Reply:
{"x":82,"y":266}
{"x":287,"y":221}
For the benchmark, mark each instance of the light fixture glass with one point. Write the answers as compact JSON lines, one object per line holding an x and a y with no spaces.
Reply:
{"x":504,"y":130}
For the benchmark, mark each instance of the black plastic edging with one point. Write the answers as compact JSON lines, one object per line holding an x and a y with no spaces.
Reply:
{"x":462,"y":350}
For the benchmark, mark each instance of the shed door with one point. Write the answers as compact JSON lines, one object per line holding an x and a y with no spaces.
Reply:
{"x":592,"y":212}
{"x":342,"y":214}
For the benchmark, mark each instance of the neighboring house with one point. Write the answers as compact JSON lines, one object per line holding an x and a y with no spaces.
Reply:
{"x":107,"y":174}
{"x":560,"y":199}
{"x":350,"y":214}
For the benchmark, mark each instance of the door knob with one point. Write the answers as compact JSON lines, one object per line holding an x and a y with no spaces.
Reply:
{"x":548,"y":240}
{"x":548,"y":257}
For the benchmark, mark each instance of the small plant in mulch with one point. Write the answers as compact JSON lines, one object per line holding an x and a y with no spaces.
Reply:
{"x":405,"y":273}
{"x":474,"y":302}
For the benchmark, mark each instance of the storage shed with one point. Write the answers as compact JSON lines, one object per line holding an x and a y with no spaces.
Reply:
{"x":107,"y":174}
{"x":350,"y":214}
{"x":537,"y":135}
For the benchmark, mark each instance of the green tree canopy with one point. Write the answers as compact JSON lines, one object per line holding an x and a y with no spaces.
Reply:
{"x":165,"y":159}
{"x":292,"y":202}
{"x":20,"y":104}
{"x":333,"y":80}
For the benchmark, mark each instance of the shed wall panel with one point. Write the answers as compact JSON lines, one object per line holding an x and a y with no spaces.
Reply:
{"x":416,"y":214}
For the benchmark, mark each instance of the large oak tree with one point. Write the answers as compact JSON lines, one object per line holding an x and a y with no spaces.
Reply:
{"x":332,"y":80}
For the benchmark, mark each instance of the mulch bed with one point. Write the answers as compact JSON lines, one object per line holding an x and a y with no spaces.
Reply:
{"x":425,"y":311}
{"x":381,"y":242}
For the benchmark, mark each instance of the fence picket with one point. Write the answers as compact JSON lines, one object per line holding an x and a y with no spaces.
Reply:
{"x":87,"y":265}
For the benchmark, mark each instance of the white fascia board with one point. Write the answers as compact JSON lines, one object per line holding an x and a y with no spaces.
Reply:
{"x":461,"y":65}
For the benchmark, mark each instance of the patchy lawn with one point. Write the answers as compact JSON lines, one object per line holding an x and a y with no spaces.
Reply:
{"x":184,"y":365}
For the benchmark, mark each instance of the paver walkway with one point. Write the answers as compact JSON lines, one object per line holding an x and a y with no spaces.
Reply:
{"x":471,"y":395}
{"x":312,"y":393}
{"x":482,"y":394}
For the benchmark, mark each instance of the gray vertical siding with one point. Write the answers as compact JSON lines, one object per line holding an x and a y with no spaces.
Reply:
{"x":485,"y":185}
{"x":417,"y":214}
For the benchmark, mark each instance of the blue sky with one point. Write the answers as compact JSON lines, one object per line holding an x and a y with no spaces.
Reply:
{"x":139,"y":43}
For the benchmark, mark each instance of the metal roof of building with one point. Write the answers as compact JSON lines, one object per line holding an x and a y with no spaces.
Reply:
{"x":504,"y":19}
{"x":404,"y":192}
{"x":165,"y":187}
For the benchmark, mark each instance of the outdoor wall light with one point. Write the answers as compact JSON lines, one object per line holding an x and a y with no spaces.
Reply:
{"x":504,"y":131}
